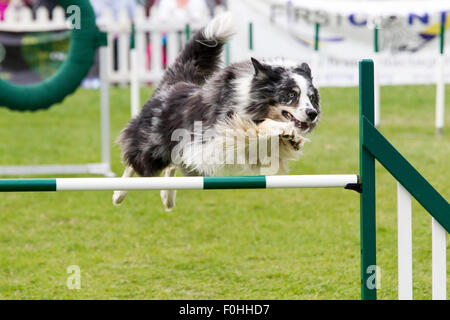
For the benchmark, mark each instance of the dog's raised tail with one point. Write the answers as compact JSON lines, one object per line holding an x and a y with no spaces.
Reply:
{"x":201,"y":56}
{"x":221,"y":28}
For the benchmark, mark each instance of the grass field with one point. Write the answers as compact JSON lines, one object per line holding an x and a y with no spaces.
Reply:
{"x":266,"y":244}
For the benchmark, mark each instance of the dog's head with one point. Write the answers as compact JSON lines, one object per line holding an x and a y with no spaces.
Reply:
{"x":284,"y":92}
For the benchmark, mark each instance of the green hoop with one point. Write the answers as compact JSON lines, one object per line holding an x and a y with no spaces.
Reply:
{"x":83,"y":44}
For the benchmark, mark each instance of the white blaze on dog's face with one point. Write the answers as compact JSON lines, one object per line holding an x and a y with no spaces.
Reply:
{"x":285,"y":92}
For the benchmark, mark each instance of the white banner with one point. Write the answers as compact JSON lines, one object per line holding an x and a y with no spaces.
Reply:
{"x":408,"y":37}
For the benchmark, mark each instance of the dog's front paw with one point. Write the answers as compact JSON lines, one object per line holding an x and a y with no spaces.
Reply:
{"x":290,"y":135}
{"x":288,"y":132}
{"x":297,"y":142}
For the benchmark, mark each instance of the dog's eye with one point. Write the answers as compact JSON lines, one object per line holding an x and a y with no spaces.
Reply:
{"x":292,"y":95}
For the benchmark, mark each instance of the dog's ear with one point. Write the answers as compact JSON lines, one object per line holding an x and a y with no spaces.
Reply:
{"x":261,"y":71}
{"x":304,"y":68}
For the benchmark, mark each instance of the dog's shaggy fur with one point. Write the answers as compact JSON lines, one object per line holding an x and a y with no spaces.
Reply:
{"x":262,"y":99}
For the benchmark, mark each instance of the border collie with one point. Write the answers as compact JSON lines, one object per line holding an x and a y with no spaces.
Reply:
{"x":273,"y":99}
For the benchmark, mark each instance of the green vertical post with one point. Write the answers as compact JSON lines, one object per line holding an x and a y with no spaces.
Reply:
{"x":442,"y":36}
{"x":133,"y":37}
{"x":188,"y":32}
{"x":227,"y":54}
{"x":367,"y":175}
{"x":375,"y":39}
{"x":250,"y":36}
{"x":316,"y":37}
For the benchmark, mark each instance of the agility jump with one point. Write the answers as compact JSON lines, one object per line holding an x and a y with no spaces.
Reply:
{"x":373,"y":145}
{"x":172,"y":183}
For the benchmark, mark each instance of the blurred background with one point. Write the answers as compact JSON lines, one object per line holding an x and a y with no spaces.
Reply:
{"x":330,"y":35}
{"x":33,"y":56}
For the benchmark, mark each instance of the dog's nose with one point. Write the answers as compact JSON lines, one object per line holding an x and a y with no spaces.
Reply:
{"x":312,"y":114}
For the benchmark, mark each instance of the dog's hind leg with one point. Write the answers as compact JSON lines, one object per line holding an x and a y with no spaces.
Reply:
{"x":119,"y":196}
{"x":168,"y":196}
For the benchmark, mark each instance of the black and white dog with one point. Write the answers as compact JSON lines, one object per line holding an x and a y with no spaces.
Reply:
{"x":272,"y":99}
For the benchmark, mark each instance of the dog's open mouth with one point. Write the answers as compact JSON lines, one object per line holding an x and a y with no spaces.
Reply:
{"x":299,"y":124}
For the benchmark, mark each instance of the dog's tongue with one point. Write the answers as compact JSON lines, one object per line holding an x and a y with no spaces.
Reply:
{"x":300,"y":124}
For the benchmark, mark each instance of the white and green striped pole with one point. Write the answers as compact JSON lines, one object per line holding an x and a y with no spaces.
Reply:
{"x":440,"y":83}
{"x":350,"y":181}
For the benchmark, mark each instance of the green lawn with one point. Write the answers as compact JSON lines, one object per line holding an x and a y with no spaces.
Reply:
{"x":256,"y":244}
